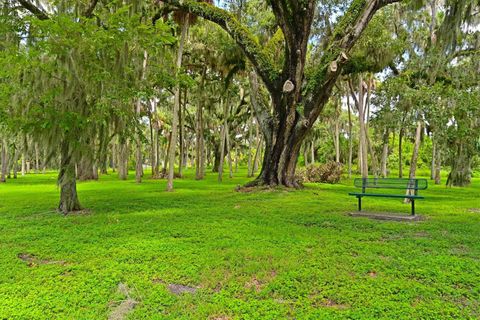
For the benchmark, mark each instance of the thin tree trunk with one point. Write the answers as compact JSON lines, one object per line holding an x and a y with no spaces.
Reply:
{"x":413,"y":162}
{"x":23,"y":164}
{"x":138,"y":140}
{"x":433,"y":166}
{"x":236,"y":159}
{"x":438,"y":166}
{"x":176,"y":107}
{"x":250,"y":148}
{"x":114,"y":157}
{"x":37,"y":158}
{"x":385,"y":154}
{"x":229,"y":152}
{"x":337,"y":132}
{"x":363,"y":139}
{"x":223,"y":138}
{"x":258,"y":152}
{"x":199,"y":128}
{"x":350,"y":137}
{"x":400,"y":152}
{"x":312,"y":153}
{"x":4,"y":156}
{"x":305,"y":153}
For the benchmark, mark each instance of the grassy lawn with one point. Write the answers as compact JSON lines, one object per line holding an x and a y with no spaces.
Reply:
{"x":266,"y":255}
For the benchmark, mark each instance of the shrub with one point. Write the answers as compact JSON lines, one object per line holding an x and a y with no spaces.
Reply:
{"x":329,"y":172}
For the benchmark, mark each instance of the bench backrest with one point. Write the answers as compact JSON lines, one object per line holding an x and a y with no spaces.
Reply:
{"x":391,"y":183}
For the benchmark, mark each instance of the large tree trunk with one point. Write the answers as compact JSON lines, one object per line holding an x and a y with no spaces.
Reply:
{"x":66,"y":180}
{"x":86,"y":169}
{"x":461,"y":171}
{"x":176,"y":107}
{"x":280,"y":160}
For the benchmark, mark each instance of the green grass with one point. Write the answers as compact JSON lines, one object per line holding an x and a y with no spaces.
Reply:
{"x":266,"y":255}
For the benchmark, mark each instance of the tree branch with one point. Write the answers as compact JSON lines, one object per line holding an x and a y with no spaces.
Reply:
{"x":36,"y":11}
{"x":88,"y":13}
{"x":262,"y":63}
{"x":346,"y":33}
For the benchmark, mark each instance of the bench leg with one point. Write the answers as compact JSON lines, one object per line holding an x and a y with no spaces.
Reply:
{"x":413,"y":206}
{"x":359,"y":203}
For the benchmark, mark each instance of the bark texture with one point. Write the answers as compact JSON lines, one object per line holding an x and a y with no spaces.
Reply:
{"x":67,"y":181}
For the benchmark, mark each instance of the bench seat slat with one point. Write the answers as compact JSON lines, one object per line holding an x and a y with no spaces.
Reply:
{"x":359,"y":194}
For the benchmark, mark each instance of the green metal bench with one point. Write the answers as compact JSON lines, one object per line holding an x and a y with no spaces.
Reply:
{"x":389,"y":183}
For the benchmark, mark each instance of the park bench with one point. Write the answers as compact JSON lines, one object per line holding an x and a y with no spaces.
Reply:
{"x":389,"y":183}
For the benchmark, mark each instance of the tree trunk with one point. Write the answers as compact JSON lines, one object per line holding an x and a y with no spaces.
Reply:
{"x":66,"y":180}
{"x":122,"y":162}
{"x":114,"y":157}
{"x":337,"y":131}
{"x":312,"y":153}
{"x":433,"y":166}
{"x":176,"y":107}
{"x":229,"y":152}
{"x":23,"y":164}
{"x":438,"y":166}
{"x":258,"y":151}
{"x":223,"y":138}
{"x":385,"y":154}
{"x":37,"y":158}
{"x":200,"y":141}
{"x":250,"y":149}
{"x":86,"y":169}
{"x":279,"y":162}
{"x":400,"y":153}
{"x":360,"y":102}
{"x":305,"y":153}
{"x":181,"y":117}
{"x":138,"y":140}
{"x":461,"y":171}
{"x":350,"y":137}
{"x":4,"y":156}
{"x":413,"y":162}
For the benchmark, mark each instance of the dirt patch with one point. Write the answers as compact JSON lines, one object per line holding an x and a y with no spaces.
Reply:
{"x":332,"y":304}
{"x":421,"y":234}
{"x":474,"y":210}
{"x":221,"y":317}
{"x":179,"y":289}
{"x":255,"y":284}
{"x":32,"y":260}
{"x":372,"y":274}
{"x":125,"y":306}
{"x":259,"y":284}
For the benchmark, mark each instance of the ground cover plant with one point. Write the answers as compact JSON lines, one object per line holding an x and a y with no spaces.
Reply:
{"x":207,"y":251}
